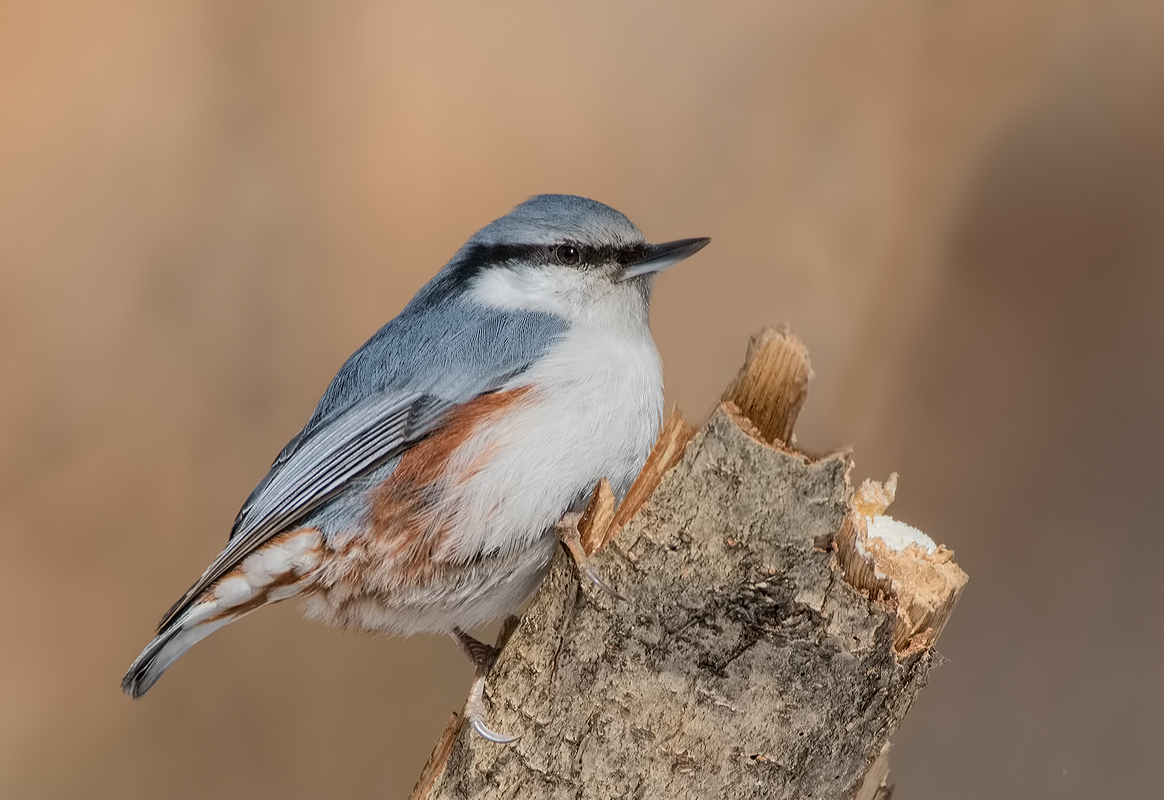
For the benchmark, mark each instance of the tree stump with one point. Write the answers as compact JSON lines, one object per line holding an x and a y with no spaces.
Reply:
{"x":775,"y":630}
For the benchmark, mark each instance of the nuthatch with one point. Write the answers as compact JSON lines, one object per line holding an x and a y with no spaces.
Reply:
{"x":451,"y":452}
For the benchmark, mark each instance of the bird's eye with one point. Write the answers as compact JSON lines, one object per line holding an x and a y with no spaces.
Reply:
{"x":567,"y":254}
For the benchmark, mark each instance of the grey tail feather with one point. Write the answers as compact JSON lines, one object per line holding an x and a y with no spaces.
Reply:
{"x":160,"y":654}
{"x":146,"y":668}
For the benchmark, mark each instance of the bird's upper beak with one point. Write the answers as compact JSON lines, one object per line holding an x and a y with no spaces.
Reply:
{"x":657,"y":257}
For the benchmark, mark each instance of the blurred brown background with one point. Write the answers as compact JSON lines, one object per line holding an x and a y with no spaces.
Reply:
{"x":205,"y":207}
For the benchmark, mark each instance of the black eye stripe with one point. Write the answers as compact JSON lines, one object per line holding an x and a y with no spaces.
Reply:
{"x":481,"y":256}
{"x":606,"y":254}
{"x":475,"y":259}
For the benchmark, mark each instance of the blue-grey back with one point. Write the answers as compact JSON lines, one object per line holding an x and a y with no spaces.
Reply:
{"x":450,"y":348}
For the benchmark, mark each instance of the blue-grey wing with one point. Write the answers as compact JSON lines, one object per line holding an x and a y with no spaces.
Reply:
{"x":388,"y":395}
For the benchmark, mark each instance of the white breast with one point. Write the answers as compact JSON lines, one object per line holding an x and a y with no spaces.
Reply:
{"x":594,"y":412}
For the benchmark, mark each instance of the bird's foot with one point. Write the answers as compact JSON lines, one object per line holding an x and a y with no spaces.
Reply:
{"x":567,"y":529}
{"x":483,"y":657}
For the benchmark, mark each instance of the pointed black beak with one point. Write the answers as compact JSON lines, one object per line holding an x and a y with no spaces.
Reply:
{"x":657,"y":257}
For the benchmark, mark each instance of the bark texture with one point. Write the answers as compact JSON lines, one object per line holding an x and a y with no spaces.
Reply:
{"x":743,"y":663}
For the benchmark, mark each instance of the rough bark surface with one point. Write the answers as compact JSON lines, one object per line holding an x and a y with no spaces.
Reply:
{"x":743,"y":664}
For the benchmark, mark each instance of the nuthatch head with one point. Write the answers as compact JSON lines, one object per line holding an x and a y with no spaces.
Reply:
{"x":559,"y":254}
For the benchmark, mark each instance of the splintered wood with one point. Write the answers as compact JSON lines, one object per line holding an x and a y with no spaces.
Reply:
{"x":772,"y":385}
{"x":923,"y":584}
{"x":774,"y":633}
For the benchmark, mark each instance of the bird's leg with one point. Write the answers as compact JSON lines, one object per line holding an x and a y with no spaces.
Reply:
{"x":483,"y":656}
{"x":567,"y":529}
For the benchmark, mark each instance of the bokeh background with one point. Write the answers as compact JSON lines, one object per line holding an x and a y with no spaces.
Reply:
{"x":206,"y":206}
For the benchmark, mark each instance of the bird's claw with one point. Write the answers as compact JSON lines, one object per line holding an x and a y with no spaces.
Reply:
{"x":591,"y":572}
{"x":475,"y":711}
{"x":489,"y":735}
{"x":568,"y":533}
{"x":483,"y":656}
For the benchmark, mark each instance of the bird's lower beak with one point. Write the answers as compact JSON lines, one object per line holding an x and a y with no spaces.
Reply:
{"x":657,"y":257}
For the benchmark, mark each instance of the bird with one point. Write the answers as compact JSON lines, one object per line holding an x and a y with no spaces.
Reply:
{"x":456,"y":448}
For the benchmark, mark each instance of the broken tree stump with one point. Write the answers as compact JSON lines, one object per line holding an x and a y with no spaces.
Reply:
{"x":776,"y":629}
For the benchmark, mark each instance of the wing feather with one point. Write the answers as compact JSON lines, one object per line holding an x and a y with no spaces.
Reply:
{"x":365,"y":436}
